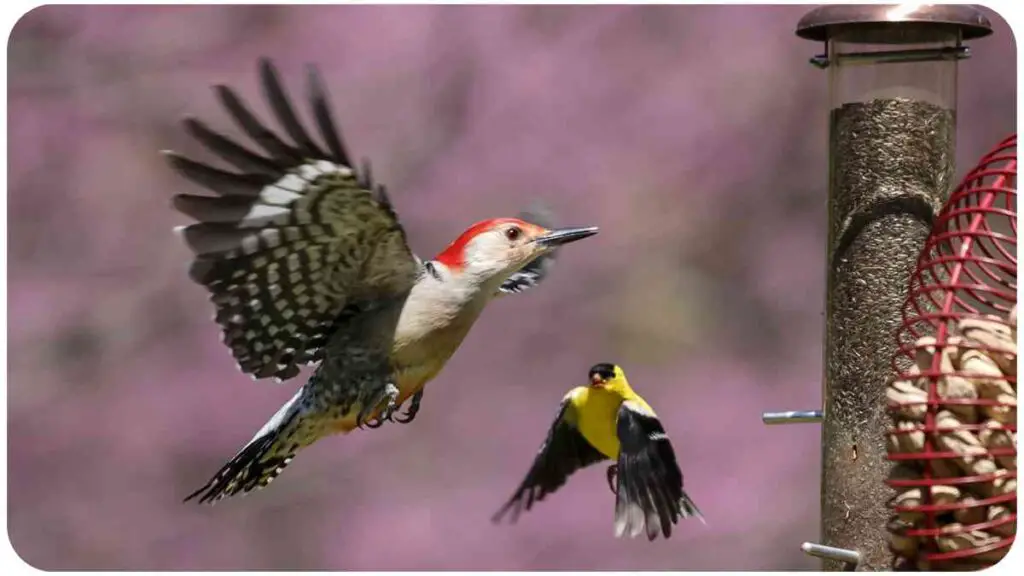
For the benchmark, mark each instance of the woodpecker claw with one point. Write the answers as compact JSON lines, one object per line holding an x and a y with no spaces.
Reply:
{"x":613,"y":472}
{"x":410,"y":412}
{"x":388,"y":395}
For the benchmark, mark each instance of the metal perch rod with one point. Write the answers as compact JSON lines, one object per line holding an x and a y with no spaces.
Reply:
{"x":831,"y":553}
{"x":792,"y":417}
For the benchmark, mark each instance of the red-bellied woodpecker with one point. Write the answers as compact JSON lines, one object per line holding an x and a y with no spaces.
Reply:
{"x":306,"y":263}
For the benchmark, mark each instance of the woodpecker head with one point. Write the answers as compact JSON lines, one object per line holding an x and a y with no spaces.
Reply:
{"x":498,"y":247}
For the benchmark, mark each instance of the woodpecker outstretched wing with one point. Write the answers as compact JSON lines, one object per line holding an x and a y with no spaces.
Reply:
{"x":649,"y":493}
{"x":563,"y":452}
{"x":293,"y":239}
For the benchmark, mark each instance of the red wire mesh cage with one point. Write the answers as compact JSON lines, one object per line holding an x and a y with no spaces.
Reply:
{"x":954,"y":400}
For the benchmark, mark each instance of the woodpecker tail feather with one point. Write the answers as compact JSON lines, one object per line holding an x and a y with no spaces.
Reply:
{"x":264,"y":457}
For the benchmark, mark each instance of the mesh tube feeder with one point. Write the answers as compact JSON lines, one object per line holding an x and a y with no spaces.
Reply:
{"x":954,"y":401}
{"x":892,"y":76}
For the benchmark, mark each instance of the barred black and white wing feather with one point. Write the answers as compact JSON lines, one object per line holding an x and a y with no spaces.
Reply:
{"x":649,"y":486}
{"x":291,"y":236}
{"x":563,"y":452}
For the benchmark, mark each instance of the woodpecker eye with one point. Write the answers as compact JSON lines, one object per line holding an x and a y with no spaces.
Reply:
{"x":513,"y":233}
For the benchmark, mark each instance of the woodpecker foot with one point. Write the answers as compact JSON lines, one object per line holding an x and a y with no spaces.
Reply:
{"x":613,"y":472}
{"x":410,"y":412}
{"x":388,"y":396}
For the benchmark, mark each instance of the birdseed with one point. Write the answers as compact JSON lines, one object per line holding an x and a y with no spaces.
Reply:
{"x":891,"y":170}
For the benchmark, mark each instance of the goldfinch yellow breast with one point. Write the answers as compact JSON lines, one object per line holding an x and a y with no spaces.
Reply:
{"x":597,"y":409}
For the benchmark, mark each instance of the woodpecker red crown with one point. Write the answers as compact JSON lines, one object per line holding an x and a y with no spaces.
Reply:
{"x":454,"y":256}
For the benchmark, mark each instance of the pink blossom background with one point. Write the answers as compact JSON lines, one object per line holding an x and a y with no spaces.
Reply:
{"x":694,"y":136}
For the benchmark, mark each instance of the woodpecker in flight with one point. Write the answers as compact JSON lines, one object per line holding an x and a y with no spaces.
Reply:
{"x":608,"y":420}
{"x":306,"y":262}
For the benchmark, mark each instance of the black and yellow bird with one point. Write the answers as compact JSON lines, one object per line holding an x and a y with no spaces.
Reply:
{"x":608,"y":420}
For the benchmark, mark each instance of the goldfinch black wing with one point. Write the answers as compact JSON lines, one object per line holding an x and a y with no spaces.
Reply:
{"x":563,"y":452}
{"x":292,"y":238}
{"x":649,"y":486}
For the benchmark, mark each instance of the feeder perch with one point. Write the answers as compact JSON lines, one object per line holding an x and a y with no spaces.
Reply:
{"x":850,"y":557}
{"x":892,"y":76}
{"x":954,"y":401}
{"x":792,"y":417}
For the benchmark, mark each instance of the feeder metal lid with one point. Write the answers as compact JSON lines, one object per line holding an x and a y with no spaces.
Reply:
{"x":893,"y":23}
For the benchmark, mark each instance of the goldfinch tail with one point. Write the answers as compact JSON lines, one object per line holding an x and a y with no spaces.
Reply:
{"x":688,"y":508}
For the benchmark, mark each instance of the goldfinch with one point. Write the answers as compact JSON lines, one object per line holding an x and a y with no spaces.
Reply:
{"x":608,"y":420}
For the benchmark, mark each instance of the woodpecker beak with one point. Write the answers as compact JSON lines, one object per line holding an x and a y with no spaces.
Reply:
{"x":562,"y":236}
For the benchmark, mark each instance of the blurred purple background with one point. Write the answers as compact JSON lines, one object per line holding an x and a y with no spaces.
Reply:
{"x":694,"y":136}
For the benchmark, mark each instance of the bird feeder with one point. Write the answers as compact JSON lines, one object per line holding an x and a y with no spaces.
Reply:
{"x":954,"y":401}
{"x":892,"y":73}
